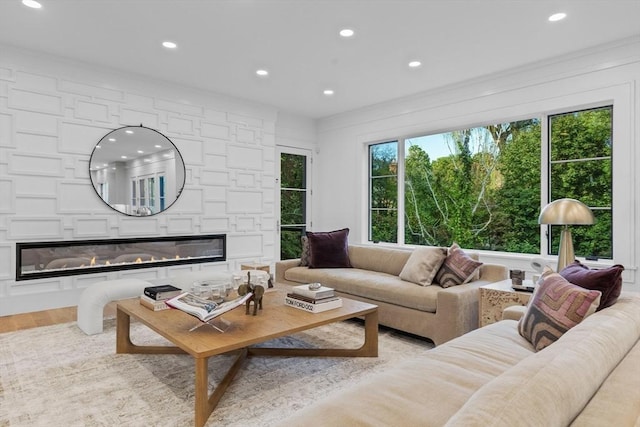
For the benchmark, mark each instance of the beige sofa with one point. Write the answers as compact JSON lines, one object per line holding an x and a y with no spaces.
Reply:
{"x":493,"y":377}
{"x":437,"y":313}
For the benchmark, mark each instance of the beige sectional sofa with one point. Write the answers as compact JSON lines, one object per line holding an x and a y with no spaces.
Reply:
{"x":437,"y":313}
{"x":493,"y":377}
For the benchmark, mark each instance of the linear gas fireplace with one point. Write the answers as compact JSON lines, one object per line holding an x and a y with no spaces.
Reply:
{"x":37,"y":260}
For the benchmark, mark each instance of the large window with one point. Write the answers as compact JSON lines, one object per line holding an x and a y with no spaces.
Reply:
{"x":580,"y":168}
{"x":483,"y":187}
{"x":383,"y":192}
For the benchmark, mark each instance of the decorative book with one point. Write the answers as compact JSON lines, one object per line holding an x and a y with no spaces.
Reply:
{"x":310,"y":307}
{"x":322,"y":292}
{"x":152,"y":304}
{"x":313,"y":300}
{"x":161,"y":292}
{"x":202,"y":308}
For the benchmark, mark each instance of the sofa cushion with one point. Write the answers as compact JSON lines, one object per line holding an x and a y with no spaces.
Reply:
{"x":422,"y":265}
{"x":606,"y":280}
{"x":425,"y":390}
{"x":552,"y":386}
{"x":329,"y":249}
{"x":372,"y":285}
{"x":378,"y":258}
{"x":555,"y":307}
{"x":457,"y":268}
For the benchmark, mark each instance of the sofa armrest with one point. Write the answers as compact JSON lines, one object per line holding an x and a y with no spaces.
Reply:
{"x":514,"y":312}
{"x":493,"y":272}
{"x":283,"y":266}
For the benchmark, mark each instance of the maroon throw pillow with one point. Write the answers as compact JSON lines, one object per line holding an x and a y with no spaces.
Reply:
{"x":606,"y":280}
{"x":329,"y":249}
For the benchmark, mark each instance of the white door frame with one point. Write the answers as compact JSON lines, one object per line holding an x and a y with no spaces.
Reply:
{"x":280,"y":149}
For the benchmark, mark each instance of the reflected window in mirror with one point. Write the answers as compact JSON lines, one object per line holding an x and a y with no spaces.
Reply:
{"x":137,"y":171}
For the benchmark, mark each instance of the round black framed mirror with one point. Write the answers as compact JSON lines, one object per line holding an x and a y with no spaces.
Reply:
{"x":137,"y":171}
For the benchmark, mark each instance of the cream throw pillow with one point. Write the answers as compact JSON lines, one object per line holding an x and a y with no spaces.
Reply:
{"x":422,"y":265}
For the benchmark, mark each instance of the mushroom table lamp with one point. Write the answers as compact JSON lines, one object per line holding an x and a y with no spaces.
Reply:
{"x":566,"y":212}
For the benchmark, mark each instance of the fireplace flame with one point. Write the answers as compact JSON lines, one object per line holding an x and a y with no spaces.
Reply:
{"x":93,"y":262}
{"x":139,"y":260}
{"x":107,"y":263}
{"x":177,"y":256}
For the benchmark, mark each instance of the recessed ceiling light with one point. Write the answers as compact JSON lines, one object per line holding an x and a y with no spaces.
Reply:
{"x":347,"y":32}
{"x":328,"y":92}
{"x":32,"y":4}
{"x":557,"y":17}
{"x":158,"y":146}
{"x":262,"y":73}
{"x":128,"y":131}
{"x":112,"y":140}
{"x":415,"y":64}
{"x":98,"y":146}
{"x":123,"y":157}
{"x":169,"y":44}
{"x":140,"y":152}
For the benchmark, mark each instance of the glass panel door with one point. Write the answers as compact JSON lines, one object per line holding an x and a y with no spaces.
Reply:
{"x":295,"y":197}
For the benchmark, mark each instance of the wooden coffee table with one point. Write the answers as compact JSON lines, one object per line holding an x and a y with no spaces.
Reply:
{"x":275,"y":320}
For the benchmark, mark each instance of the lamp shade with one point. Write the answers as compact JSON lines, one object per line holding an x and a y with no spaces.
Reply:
{"x":566,"y":212}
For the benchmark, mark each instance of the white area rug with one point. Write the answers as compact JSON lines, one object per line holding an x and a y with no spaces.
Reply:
{"x":58,"y":376}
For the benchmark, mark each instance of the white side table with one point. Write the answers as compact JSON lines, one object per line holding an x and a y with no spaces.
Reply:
{"x":495,"y":297}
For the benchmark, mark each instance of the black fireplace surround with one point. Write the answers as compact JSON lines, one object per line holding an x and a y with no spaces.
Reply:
{"x":38,"y":260}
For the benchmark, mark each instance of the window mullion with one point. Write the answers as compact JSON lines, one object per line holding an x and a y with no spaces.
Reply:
{"x":400,"y":179}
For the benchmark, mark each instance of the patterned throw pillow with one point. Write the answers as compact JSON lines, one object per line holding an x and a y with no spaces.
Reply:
{"x":457,"y":268}
{"x":422,"y":265}
{"x":606,"y":280}
{"x":555,"y":307}
{"x":306,"y":252}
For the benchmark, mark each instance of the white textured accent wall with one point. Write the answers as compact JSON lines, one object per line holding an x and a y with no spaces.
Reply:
{"x":52,"y":114}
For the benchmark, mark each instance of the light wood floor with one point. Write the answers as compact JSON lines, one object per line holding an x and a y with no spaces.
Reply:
{"x":16,"y":322}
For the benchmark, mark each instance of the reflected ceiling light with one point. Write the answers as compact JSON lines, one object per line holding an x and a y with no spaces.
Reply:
{"x":415,"y":64}
{"x":557,"y":17}
{"x":112,"y":140}
{"x":140,"y":152}
{"x":169,"y":44}
{"x":347,"y":32}
{"x":123,"y":157}
{"x":98,"y":146}
{"x":32,"y":4}
{"x":158,"y":146}
{"x":262,"y":73}
{"x":328,"y":92}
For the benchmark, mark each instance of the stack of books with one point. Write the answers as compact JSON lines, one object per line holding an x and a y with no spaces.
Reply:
{"x":155,"y":297}
{"x":313,"y":300}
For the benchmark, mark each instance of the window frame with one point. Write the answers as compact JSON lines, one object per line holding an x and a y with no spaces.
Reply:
{"x":543,"y":116}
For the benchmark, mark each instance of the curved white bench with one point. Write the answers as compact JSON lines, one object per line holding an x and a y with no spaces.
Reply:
{"x":96,"y":296}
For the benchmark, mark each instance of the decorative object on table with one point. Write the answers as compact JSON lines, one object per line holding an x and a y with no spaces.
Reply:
{"x":152,"y":304}
{"x":155,"y":297}
{"x":256,"y":293}
{"x":566,"y":212}
{"x":516,"y":276}
{"x":162,"y":292}
{"x":313,"y":298}
{"x":204,"y":309}
{"x":210,"y":291}
{"x":317,"y":306}
{"x":260,"y":267}
{"x":321,"y":292}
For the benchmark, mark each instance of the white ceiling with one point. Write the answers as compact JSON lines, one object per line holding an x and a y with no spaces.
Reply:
{"x":222,"y":42}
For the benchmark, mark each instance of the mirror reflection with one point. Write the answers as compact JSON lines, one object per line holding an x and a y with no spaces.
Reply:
{"x":137,"y":171}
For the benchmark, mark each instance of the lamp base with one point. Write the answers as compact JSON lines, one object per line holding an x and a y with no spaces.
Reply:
{"x":566,"y":255}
